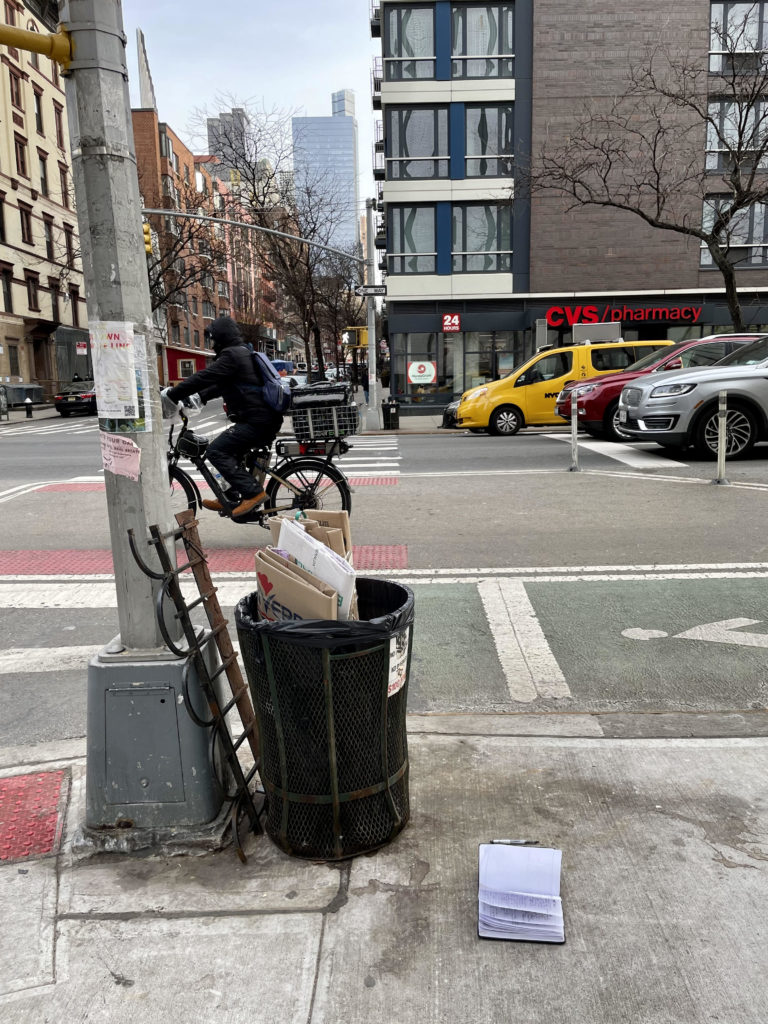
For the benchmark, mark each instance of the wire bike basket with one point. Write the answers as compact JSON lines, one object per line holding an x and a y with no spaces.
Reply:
{"x":323,"y":411}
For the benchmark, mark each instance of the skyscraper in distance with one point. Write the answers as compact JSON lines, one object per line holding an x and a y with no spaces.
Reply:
{"x":325,"y":154}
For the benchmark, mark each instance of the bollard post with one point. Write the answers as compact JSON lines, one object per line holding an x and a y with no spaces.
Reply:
{"x":574,"y":466}
{"x":28,"y":407}
{"x":722,"y":422}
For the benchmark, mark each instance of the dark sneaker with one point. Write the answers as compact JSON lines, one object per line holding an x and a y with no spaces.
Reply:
{"x":213,"y":505}
{"x":249,"y":504}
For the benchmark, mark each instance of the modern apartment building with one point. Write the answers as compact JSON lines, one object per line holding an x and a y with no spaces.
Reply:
{"x":43,"y":340}
{"x":478,"y":277}
{"x":325,"y":158}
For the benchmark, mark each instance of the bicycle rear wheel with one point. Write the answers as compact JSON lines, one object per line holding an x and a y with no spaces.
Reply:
{"x":183,"y":492}
{"x":314,"y":484}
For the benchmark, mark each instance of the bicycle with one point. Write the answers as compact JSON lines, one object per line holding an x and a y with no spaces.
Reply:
{"x":302,"y":477}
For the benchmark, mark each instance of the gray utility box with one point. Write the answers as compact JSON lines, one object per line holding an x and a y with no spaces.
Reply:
{"x":149,"y":764}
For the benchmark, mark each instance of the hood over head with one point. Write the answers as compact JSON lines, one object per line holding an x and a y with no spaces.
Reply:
{"x":224,"y":332}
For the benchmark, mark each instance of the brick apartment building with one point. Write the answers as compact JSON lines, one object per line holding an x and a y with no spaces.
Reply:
{"x":172,"y":177}
{"x":475,"y":284}
{"x":42,"y":308}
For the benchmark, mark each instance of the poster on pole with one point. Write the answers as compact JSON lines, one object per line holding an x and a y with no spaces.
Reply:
{"x":114,"y":369}
{"x":144,"y":421}
{"x":120,"y":455}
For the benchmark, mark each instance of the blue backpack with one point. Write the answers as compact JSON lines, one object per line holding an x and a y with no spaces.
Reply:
{"x":275,"y":394}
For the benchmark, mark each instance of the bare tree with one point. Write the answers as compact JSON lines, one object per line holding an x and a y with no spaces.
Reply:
{"x":188,"y":252}
{"x":254,"y":149}
{"x":684,"y":147}
{"x":337,"y":305}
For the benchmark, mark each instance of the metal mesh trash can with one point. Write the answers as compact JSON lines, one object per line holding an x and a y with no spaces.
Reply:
{"x":330,"y":699}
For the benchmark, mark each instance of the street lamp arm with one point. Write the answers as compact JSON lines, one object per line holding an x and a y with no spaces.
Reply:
{"x":256,"y":227}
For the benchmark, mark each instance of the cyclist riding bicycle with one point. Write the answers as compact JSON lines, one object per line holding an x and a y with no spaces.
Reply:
{"x":233,"y":376}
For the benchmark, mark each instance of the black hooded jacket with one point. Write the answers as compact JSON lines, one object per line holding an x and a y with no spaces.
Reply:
{"x":233,"y":375}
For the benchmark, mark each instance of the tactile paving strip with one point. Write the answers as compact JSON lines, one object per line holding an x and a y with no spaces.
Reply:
{"x":382,"y":481}
{"x":29,"y":815}
{"x":85,"y":563}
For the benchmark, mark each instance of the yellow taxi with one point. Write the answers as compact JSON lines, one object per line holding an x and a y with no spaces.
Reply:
{"x":526,"y":397}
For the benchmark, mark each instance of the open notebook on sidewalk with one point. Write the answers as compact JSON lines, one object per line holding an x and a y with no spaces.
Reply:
{"x":519,"y":893}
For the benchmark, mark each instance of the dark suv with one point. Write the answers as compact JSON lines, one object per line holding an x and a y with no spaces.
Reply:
{"x":598,"y":397}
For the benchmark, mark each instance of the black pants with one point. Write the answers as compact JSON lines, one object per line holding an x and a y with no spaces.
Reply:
{"x":226,"y":452}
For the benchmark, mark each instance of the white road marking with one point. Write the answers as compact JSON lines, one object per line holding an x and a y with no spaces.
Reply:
{"x":722,"y":632}
{"x":19,"y":660}
{"x":640,"y":458}
{"x":528,"y":663}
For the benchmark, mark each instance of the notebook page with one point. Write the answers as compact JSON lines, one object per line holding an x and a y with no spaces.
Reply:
{"x":520,"y":900}
{"x":520,"y":869}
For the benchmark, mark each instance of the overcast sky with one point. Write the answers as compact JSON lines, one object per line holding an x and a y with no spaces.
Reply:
{"x":290,"y":54}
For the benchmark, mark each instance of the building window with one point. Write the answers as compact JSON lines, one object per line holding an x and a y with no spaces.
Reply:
{"x":224,"y":289}
{"x":175,"y":334}
{"x":193,"y":304}
{"x":64,"y":180}
{"x":196,"y":335}
{"x":186,"y":335}
{"x":20,"y":146}
{"x":209,"y":310}
{"x":48,"y":231}
{"x":490,"y":139}
{"x":2,"y":217}
{"x":13,"y":359}
{"x":25,"y":217}
{"x":409,"y":42}
{"x":10,"y":13}
{"x":482,"y":238}
{"x":58,"y":121}
{"x":736,"y":135}
{"x":55,"y":73}
{"x":34,"y":58}
{"x":417,"y":142}
{"x":32,"y":286}
{"x":738,"y":37}
{"x":69,"y":244}
{"x":482,"y":36}
{"x":7,"y":277}
{"x":412,"y":232}
{"x":16,"y":97}
{"x":43,"y":161}
{"x":74,"y":299}
{"x":745,"y":235}
{"x":186,"y":367}
{"x":38,"y":101}
{"x":53,"y":288}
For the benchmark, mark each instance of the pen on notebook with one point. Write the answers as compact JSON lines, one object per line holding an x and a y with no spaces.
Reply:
{"x":515,"y":842}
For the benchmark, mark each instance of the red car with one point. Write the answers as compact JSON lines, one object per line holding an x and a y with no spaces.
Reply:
{"x":598,"y":397}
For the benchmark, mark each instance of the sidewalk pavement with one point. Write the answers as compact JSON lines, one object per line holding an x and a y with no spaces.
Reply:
{"x":663,"y":885}
{"x":19,"y":415}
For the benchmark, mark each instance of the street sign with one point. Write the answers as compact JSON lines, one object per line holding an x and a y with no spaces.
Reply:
{"x":363,"y":290}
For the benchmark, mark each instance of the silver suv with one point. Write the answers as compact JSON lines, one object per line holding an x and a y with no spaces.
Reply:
{"x":679,"y":408}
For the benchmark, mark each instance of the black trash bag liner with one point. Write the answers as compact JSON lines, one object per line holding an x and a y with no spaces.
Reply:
{"x":384,"y":608}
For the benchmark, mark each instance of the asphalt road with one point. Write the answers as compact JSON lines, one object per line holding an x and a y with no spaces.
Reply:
{"x":633,"y":591}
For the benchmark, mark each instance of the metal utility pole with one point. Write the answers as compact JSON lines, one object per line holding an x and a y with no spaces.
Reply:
{"x":117,"y":292}
{"x":372,"y":420}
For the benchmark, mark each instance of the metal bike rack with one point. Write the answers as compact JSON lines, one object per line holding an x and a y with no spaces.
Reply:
{"x":195,"y":642}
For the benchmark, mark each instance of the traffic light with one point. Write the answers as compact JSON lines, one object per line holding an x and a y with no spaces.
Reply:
{"x":147,"y":232}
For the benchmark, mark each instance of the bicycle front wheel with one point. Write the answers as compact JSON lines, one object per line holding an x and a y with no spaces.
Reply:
{"x":183,"y":492}
{"x":308,"y":484}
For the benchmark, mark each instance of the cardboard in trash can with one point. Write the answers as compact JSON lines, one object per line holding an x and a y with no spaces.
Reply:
{"x":286,"y":592}
{"x":314,"y":556}
{"x":338,"y":521}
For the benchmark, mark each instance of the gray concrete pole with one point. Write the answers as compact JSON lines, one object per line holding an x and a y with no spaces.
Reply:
{"x":116,"y":284}
{"x":373,"y":421}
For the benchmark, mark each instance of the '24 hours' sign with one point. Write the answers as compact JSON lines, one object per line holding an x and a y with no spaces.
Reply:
{"x":451,"y":322}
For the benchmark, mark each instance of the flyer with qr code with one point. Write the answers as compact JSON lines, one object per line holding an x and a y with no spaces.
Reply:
{"x":114,"y":369}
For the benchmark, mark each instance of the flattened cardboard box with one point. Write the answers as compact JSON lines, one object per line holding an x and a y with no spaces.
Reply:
{"x":284,"y":595}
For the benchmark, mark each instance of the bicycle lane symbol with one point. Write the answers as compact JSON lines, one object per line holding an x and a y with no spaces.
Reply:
{"x":722,"y":632}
